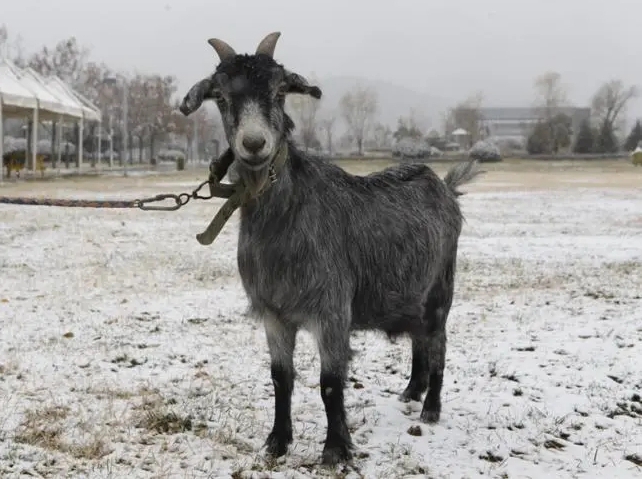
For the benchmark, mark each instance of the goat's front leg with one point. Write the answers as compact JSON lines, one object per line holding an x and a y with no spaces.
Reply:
{"x":281,"y":339}
{"x":335,"y":352}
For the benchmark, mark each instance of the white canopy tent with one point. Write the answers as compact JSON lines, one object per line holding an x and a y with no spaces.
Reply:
{"x":90,"y":111}
{"x":25,"y":93}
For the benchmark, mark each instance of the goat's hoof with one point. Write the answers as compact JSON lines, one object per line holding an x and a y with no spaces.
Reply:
{"x":333,"y":455}
{"x":276,"y":445}
{"x":409,"y":395}
{"x":429,"y":417}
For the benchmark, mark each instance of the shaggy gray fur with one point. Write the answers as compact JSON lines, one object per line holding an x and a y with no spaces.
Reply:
{"x":330,"y":252}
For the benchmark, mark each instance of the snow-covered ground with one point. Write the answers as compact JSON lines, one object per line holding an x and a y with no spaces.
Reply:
{"x":125,"y":350}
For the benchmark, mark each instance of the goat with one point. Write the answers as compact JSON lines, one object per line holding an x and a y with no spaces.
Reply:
{"x":329,"y":252}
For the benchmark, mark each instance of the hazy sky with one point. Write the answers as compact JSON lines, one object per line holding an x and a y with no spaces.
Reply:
{"x":448,"y":48}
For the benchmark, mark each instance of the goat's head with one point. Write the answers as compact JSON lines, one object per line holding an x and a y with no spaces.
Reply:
{"x":250,"y":92}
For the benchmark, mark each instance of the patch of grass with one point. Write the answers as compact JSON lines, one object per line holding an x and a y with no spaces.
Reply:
{"x":156,"y":417}
{"x":625,"y":408}
{"x":10,"y":368}
{"x":165,"y":422}
{"x":42,"y":427}
{"x":110,"y":393}
{"x":96,"y":448}
{"x":45,"y":428}
{"x":490,"y":456}
{"x":510,"y":377}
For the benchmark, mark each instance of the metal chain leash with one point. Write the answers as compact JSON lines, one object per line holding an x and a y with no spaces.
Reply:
{"x":180,"y":200}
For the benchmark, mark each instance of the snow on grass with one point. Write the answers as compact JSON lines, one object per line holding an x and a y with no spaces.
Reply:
{"x":126,"y":351}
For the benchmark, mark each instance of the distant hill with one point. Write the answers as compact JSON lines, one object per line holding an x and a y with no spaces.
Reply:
{"x":394,"y":100}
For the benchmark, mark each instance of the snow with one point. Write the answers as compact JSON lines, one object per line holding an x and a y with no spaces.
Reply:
{"x":111,"y":318}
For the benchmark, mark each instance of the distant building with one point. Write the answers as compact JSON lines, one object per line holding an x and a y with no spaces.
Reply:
{"x":515,"y":123}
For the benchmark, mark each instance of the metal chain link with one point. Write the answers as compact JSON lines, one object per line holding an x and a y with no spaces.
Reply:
{"x":180,"y":200}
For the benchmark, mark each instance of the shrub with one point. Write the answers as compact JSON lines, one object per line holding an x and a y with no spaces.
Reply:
{"x":171,"y":155}
{"x":485,"y":150}
{"x":411,"y":148}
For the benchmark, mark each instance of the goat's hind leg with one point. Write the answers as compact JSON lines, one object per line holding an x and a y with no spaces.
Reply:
{"x":435,"y":316}
{"x":419,"y":372}
{"x":281,"y":339}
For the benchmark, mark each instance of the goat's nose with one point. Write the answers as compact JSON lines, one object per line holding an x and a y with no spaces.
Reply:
{"x":253,"y":143}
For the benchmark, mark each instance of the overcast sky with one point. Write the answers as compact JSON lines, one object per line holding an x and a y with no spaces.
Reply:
{"x":448,"y":48}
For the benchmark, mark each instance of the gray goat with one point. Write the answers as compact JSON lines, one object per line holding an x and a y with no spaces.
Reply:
{"x":329,"y":252}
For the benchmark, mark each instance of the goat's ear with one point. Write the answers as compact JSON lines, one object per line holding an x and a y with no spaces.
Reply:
{"x":195,"y":97}
{"x":295,"y":83}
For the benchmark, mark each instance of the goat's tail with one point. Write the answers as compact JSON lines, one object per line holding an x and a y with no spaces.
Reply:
{"x":462,"y":174}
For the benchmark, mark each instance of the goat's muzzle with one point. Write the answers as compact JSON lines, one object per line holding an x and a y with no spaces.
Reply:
{"x":254,"y":163}
{"x":256,"y":172}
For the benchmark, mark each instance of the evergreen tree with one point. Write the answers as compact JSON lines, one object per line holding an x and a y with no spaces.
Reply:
{"x":606,"y":141}
{"x":539,"y":139}
{"x":634,"y":138}
{"x":585,"y":141}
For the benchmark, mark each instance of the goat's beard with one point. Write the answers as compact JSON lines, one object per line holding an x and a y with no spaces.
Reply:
{"x":255,"y":181}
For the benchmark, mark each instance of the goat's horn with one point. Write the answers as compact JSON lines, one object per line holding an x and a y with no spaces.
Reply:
{"x":223,"y":49}
{"x":267,"y":45}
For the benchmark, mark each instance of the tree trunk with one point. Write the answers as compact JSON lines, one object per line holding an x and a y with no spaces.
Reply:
{"x":67,"y":154}
{"x":152,"y":144}
{"x":188,"y":150}
{"x":78,"y":144}
{"x":140,"y":149}
{"x":130,"y":143}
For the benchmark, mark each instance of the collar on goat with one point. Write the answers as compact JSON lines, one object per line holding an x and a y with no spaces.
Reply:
{"x":239,"y":198}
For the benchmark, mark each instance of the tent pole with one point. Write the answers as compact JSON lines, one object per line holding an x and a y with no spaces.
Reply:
{"x":1,"y":143}
{"x":100,"y":141}
{"x":34,"y":139}
{"x":59,"y":140}
{"x":80,"y":143}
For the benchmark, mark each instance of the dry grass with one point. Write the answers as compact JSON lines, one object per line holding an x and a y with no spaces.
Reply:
{"x":154,"y":415}
{"x":110,"y":393}
{"x":509,"y":174}
{"x":531,"y":175}
{"x":45,"y":427}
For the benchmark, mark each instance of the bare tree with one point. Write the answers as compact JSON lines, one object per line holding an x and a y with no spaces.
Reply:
{"x":200,"y":130}
{"x":11,"y":48}
{"x":93,"y":86}
{"x":553,"y":129}
{"x":4,"y":38}
{"x":327,"y":127}
{"x":138,"y":112}
{"x":610,"y":101}
{"x":67,"y":60}
{"x":104,"y":96}
{"x":305,"y":110}
{"x":447,"y":123}
{"x":550,"y":95}
{"x":158,"y":100}
{"x":358,"y":108}
{"x":382,"y":136}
